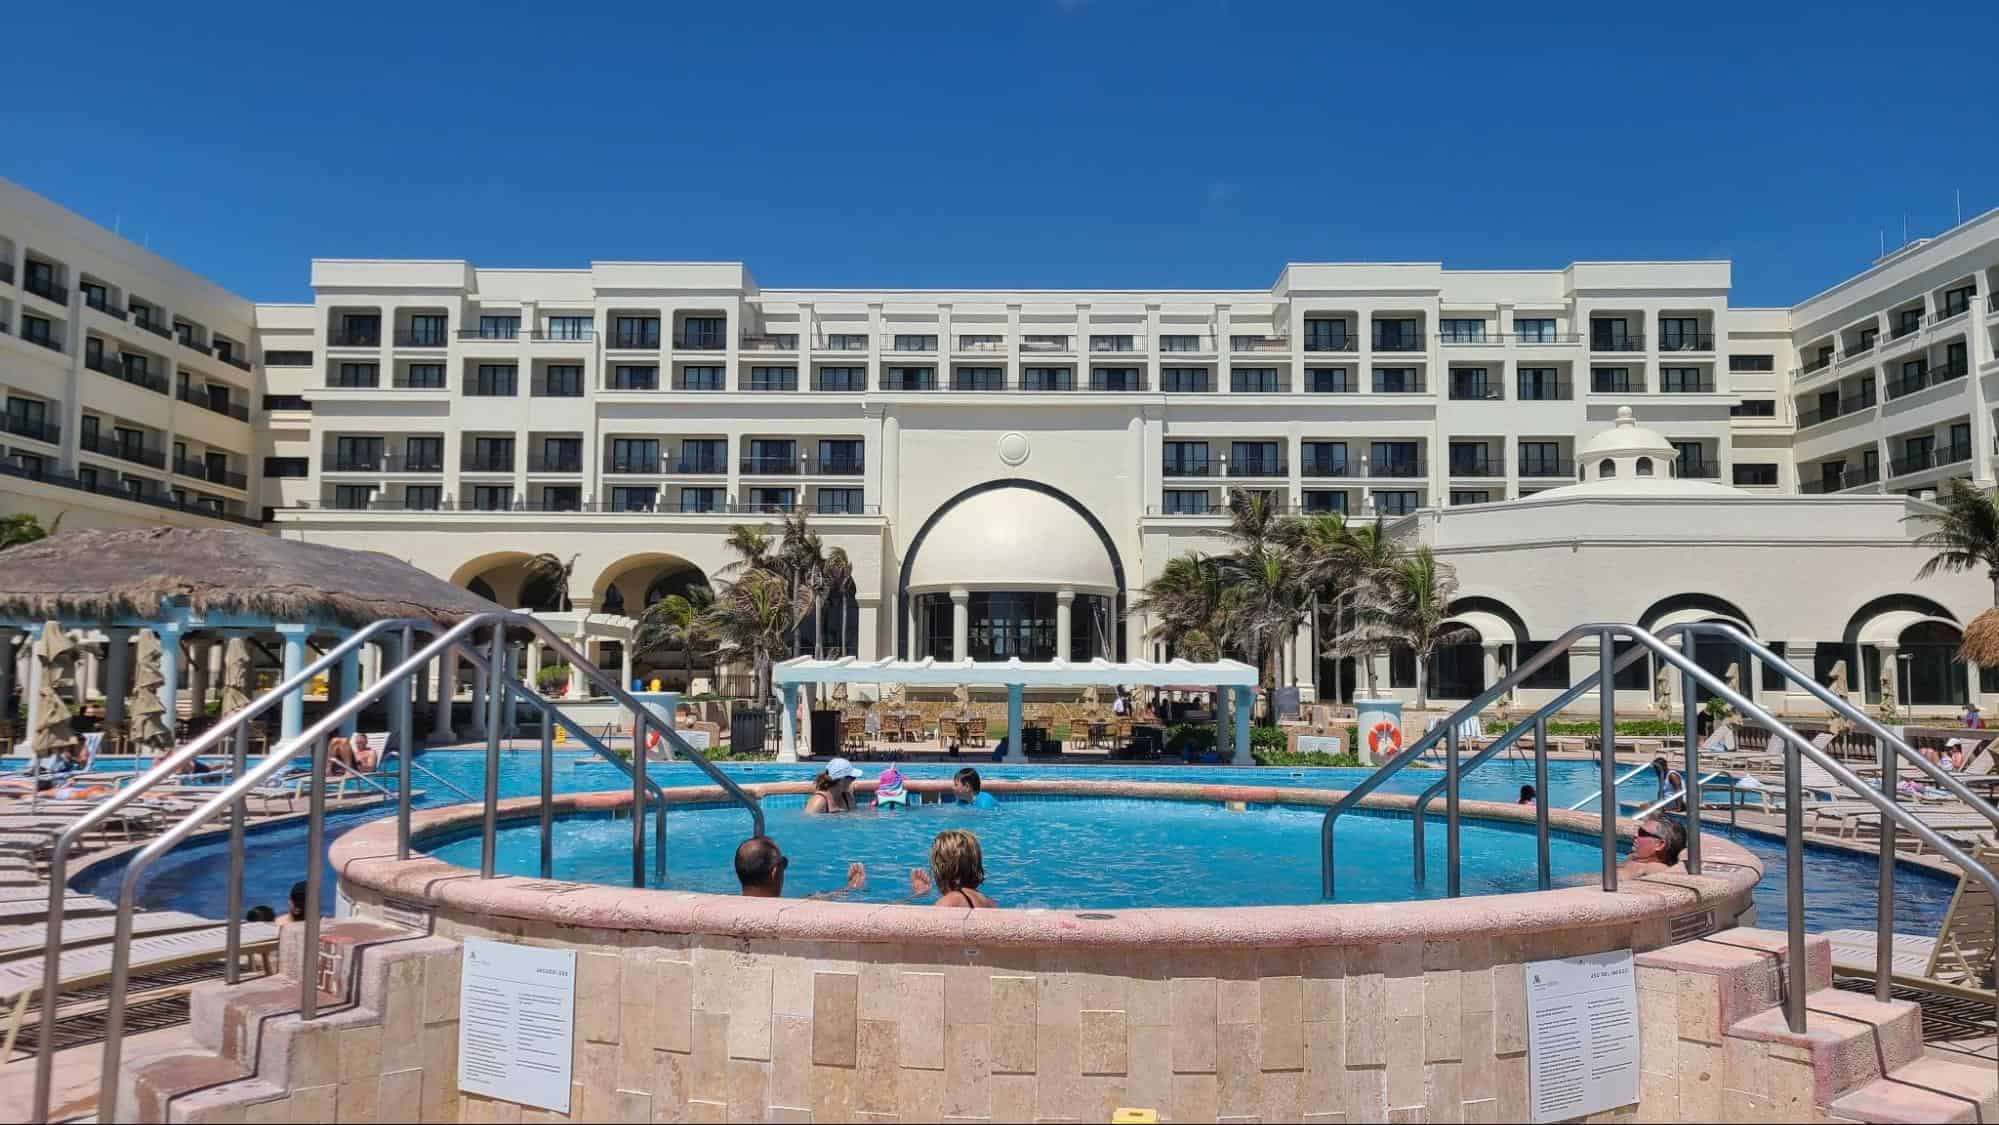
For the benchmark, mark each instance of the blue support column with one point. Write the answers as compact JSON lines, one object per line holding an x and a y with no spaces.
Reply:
{"x":1016,"y":751}
{"x":787,"y":747}
{"x":292,"y":719}
{"x":1244,"y":701}
{"x":170,"y":673}
{"x":350,"y":686}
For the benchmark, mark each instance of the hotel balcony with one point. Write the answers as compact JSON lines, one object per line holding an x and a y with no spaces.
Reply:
{"x":46,"y":289}
{"x":34,"y":431}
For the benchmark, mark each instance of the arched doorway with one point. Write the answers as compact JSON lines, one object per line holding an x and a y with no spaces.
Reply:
{"x":1928,"y":672}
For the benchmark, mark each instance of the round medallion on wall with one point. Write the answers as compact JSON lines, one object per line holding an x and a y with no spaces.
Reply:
{"x":1013,"y":448}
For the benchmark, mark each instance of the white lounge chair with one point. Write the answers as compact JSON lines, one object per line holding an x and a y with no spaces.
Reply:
{"x":1957,"y":962}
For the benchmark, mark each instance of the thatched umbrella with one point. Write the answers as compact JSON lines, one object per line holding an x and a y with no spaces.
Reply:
{"x":53,"y":733}
{"x":236,"y":675}
{"x":104,"y":575}
{"x":151,"y":729}
{"x":1981,"y":640}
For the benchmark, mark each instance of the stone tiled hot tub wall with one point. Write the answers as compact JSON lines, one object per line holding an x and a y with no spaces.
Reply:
{"x":708,"y":1007}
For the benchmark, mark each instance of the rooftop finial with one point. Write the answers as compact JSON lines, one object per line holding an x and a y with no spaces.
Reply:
{"x":1624,"y":417}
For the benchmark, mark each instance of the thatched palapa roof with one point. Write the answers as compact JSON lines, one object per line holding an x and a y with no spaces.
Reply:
{"x":1981,"y":640}
{"x":83,"y":576}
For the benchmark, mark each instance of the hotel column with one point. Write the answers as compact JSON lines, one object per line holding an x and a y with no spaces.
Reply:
{"x":625,"y":666}
{"x":447,"y":688}
{"x":8,"y":651}
{"x":1065,"y":601}
{"x":350,"y":687}
{"x":479,"y":684}
{"x":292,"y":710}
{"x":534,"y":665}
{"x":961,"y":624}
{"x":1015,"y":752}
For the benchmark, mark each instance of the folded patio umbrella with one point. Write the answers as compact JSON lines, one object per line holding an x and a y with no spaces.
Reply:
{"x":53,"y":732}
{"x":236,"y":675}
{"x":146,"y":711}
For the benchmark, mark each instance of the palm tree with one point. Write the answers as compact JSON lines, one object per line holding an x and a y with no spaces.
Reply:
{"x":552,"y":569}
{"x":18,"y":530}
{"x":752,"y":546}
{"x":1319,"y":545}
{"x":1364,"y":563}
{"x":1409,"y":604}
{"x":1269,"y":600}
{"x":836,"y":573}
{"x":753,"y":619}
{"x":1964,"y":535}
{"x":675,"y":620}
{"x":1185,"y":603}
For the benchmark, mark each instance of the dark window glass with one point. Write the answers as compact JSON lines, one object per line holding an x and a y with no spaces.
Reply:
{"x":773,"y":379}
{"x":1763,"y":474}
{"x":287,"y":359}
{"x":978,"y":379}
{"x":1048,"y":379}
{"x":494,"y":380}
{"x":353,"y":496}
{"x":499,"y":327}
{"x":635,"y":332}
{"x":1397,"y":380}
{"x":909,"y":379}
{"x":492,"y":497}
{"x":841,"y":379}
{"x":701,"y":379}
{"x":287,"y":466}
{"x":570,"y":327}
{"x":1184,"y":380}
{"x":1254,"y":380}
{"x":1754,"y":362}
{"x":428,"y":330}
{"x":841,"y":501}
{"x":1328,"y":380}
{"x":1754,"y":408}
{"x":700,"y":499}
{"x":1612,"y":379}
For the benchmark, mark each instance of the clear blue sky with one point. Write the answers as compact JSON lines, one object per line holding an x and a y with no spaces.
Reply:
{"x":1038,"y":143}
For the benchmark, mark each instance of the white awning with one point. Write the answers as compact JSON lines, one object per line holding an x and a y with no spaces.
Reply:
{"x":1887,"y":628}
{"x":1491,"y":628}
{"x":1053,"y":673}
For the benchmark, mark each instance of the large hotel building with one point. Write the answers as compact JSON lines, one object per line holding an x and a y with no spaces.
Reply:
{"x":1006,"y":468}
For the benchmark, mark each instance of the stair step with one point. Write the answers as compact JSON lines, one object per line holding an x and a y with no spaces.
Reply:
{"x":230,"y":1101}
{"x":1748,"y":967}
{"x":1850,"y":1039}
{"x":1976,"y":1082}
{"x":151,"y":1084}
{"x":1886,"y":1100}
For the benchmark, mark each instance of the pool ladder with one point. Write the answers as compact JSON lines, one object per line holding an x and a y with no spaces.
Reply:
{"x":233,"y":731}
{"x":1693,"y":677}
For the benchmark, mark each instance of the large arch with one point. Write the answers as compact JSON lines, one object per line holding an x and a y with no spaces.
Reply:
{"x":632,"y":583}
{"x":902,"y":638}
{"x":501,"y":575}
{"x":1693,"y":607}
{"x":1891,"y":603}
{"x":1478,"y":603}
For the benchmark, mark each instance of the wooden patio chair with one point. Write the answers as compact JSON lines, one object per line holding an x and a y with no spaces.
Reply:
{"x":973,"y":731}
{"x":1957,"y":962}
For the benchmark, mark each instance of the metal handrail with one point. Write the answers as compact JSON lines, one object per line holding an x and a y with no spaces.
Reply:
{"x":163,"y":769}
{"x":314,"y":738}
{"x":1627,"y":775}
{"x":1666,"y":801}
{"x":434,"y":776}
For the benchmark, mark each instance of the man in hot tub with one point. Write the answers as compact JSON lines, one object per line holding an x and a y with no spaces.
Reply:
{"x":760,"y":866}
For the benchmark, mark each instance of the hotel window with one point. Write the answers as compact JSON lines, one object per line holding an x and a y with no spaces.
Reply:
{"x":1117,"y":379}
{"x":562,"y":498}
{"x":1397,"y":380}
{"x":1755,"y":362}
{"x":773,"y":378}
{"x":700,"y":379}
{"x":1185,"y":380}
{"x":38,"y":330}
{"x":847,"y":341}
{"x":425,"y":376}
{"x":1960,"y":440}
{"x":1461,"y":497}
{"x":1048,"y":379}
{"x":1044,"y":343}
{"x":978,"y":379}
{"x":704,"y":455}
{"x":95,"y":295}
{"x":1317,"y":501}
{"x":492,"y":455}
{"x":423,"y":497}
{"x":840,"y":455}
{"x":1327,"y":335}
{"x":1613,"y":379}
{"x":1394,"y":459}
{"x":1957,"y":300}
{"x":286,"y":402}
{"x":356,"y":329}
{"x":352,"y":497}
{"x":633,"y":498}
{"x":561,"y":455}
{"x":1689,"y":460}
{"x":1180,"y":343}
{"x":1323,"y":459}
{"x":1185,"y":502}
{"x":981,"y":342}
{"x":708,"y":333}
{"x":1754,"y":408}
{"x":357,"y":375}
{"x":1472,"y":459}
{"x":1254,"y":380}
{"x":700,"y":499}
{"x":771,"y":455}
{"x":1953,"y":360}
{"x":1534,"y":330}
{"x":905,"y":342}
{"x":909,"y":379}
{"x":1184,"y":459}
{"x":1680,"y":333}
{"x":1395,"y":503}
{"x":570,"y":327}
{"x":635,"y":332}
{"x":287,"y":467}
{"x":841,"y":379}
{"x":1754,"y":474}
{"x":1455,"y":331}
{"x":1683,"y":380}
{"x":499,"y":327}
{"x":842,"y":501}
{"x":1609,"y":334}
{"x":1540,"y":384}
{"x":638,"y":455}
{"x":492,"y":497}
{"x":1907,"y":321}
{"x":287,"y":359}
{"x":428,"y":330}
{"x":1112,"y":344}
{"x":1866,"y":339}
{"x":624,"y":377}
{"x":423,"y":455}
{"x":773,"y":499}
{"x":493,"y":380}
{"x":1397,"y":335}
{"x":1254,"y":459}
{"x":1471,"y":384}
{"x":1328,"y":380}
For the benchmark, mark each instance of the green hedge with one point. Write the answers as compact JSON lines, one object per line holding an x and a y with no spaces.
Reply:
{"x":1308,"y":758}
{"x":1638,"y":728}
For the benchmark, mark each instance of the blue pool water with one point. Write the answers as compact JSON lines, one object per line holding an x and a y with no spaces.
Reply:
{"x":1275,"y":849}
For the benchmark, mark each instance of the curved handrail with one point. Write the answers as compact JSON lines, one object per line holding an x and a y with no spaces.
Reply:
{"x":162,"y":769}
{"x":313,"y":737}
{"x":1627,"y":775}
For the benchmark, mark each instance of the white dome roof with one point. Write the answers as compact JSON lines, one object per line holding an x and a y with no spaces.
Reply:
{"x":1014,"y":539}
{"x":1631,"y":460}
{"x":1626,"y":438}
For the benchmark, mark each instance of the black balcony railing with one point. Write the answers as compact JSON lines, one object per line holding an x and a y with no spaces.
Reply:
{"x":426,"y":338}
{"x":1544,"y":467}
{"x":1604,"y":343}
{"x":1858,"y":348}
{"x":1045,"y":344}
{"x":1114,"y":344}
{"x":701,"y":466}
{"x":1697,"y":470}
{"x":45,"y":340}
{"x":508,"y":332}
{"x":46,"y":289}
{"x":103,"y":304}
{"x":1487,"y":466}
{"x":109,"y":446}
{"x":1328,"y":467}
{"x":771,"y":465}
{"x":1546,"y":392}
{"x":190,"y":343}
{"x":120,"y":491}
{"x":1686,"y":342}
{"x":1395,"y":467}
{"x":236,"y":410}
{"x":105,"y":363}
{"x":408,"y":381}
{"x":1184,"y":469}
{"x":1949,"y":312}
{"x":234,"y":360}
{"x":786,"y":342}
{"x":153,"y":326}
{"x":1946,"y":372}
{"x":545,"y":462}
{"x":1332,"y":343}
{"x":1107,"y":381}
{"x":1183,"y":342}
{"x":1841,"y":480}
{"x":487,"y":461}
{"x":1476,"y":390}
{"x":30,"y":428}
{"x":634,"y":340}
{"x":1257,"y":467}
{"x":1952,"y":454}
{"x":582,"y":334}
{"x":351,"y":380}
{"x":358,"y":462}
{"x":1702,"y":385}
{"x":1929,"y":459}
{"x":1398,"y":342}
{"x":838,"y":466}
{"x":682,"y":381}
{"x":700,"y":341}
{"x":635,"y":463}
{"x":355,"y":338}
{"x":200,"y":470}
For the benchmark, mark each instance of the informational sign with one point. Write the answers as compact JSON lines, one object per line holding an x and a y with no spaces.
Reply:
{"x":694,"y":737}
{"x":1582,"y":1035}
{"x":1319,"y":744}
{"x":516,"y":1020}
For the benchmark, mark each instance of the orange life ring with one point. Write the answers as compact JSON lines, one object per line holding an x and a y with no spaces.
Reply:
{"x":1384,"y":731}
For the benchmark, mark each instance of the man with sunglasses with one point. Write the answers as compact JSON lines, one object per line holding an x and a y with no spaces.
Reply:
{"x":760,"y":866}
{"x":1657,"y":847}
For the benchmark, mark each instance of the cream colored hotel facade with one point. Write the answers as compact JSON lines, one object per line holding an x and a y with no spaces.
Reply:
{"x":1006,"y":469}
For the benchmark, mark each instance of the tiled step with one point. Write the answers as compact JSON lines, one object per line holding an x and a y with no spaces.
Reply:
{"x":1975,"y":1083}
{"x":147,"y":1085}
{"x":1748,"y":967}
{"x":1886,"y":1100}
{"x":1849,"y":1041}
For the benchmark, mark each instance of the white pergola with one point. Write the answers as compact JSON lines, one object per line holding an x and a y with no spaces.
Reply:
{"x":1233,"y":677}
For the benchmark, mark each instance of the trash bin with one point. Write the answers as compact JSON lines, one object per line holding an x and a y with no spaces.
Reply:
{"x":825,"y":741}
{"x":746,"y":731}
